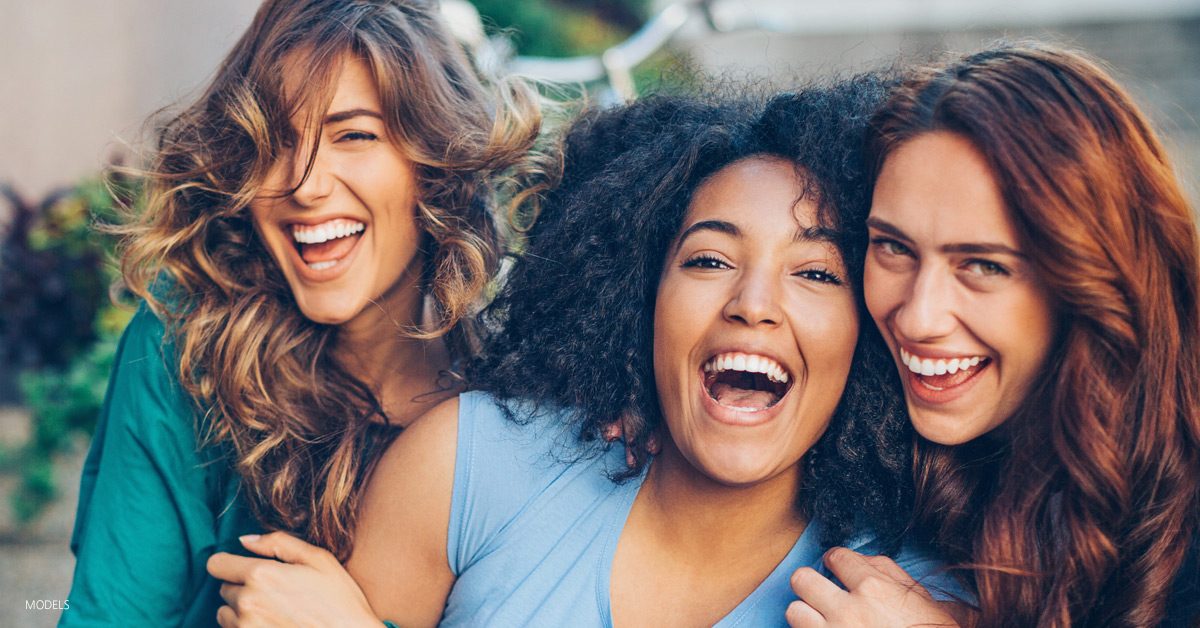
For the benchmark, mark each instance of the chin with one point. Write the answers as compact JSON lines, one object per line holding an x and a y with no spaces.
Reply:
{"x":329,"y":313}
{"x":947,"y":430}
{"x":738,"y":468}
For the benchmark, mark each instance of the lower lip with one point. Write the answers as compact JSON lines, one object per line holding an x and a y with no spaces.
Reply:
{"x":310,"y":274}
{"x":929,"y":396}
{"x":738,"y":418}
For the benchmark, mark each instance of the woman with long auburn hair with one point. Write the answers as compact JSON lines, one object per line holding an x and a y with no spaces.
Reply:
{"x":1034,"y":268}
{"x":318,"y":226}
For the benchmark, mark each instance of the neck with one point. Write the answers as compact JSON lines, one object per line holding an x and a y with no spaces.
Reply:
{"x":377,"y":348}
{"x":701,"y":512}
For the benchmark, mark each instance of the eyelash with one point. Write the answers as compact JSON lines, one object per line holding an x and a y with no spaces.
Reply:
{"x":993,"y":269}
{"x":709,"y":262}
{"x":888,"y":243}
{"x":358,"y":136}
{"x":822,"y":275}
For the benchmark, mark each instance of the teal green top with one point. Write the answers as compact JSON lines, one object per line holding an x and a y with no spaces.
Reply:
{"x":153,"y":504}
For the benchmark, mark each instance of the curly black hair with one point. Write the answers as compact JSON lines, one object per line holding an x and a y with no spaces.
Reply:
{"x":573,"y":322}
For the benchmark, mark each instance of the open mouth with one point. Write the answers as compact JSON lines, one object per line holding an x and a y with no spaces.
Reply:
{"x":746,"y":382}
{"x":325,"y":245}
{"x":938,"y":374}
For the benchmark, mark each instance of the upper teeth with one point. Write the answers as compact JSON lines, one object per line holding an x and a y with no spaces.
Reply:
{"x":928,"y":366}
{"x":749,"y":364}
{"x":326,"y":231}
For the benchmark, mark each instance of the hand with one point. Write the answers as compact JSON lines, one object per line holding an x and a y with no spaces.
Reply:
{"x":299,"y":585}
{"x":622,"y":426}
{"x":879,"y":593}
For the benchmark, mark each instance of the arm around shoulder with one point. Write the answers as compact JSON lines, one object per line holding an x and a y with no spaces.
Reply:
{"x":399,"y":556}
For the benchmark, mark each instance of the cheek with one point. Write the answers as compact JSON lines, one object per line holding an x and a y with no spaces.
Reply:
{"x":881,"y":292}
{"x":827,"y":333}
{"x":1031,"y":328}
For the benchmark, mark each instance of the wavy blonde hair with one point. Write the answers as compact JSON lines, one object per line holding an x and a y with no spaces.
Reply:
{"x":303,"y":432}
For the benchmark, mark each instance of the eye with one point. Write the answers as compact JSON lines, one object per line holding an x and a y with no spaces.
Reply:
{"x":357,"y":136}
{"x":985,"y":268}
{"x":820,"y":275}
{"x":705,"y":262}
{"x":890,"y":246}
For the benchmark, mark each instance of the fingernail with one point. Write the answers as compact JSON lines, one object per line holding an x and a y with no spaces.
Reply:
{"x":249,"y":538}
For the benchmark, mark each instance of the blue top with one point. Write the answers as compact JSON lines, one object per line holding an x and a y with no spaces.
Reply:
{"x":533,"y":531}
{"x":153,"y":503}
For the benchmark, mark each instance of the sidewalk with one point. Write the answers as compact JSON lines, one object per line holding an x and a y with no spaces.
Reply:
{"x":36,"y":565}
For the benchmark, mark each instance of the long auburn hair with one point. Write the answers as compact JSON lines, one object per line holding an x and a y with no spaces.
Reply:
{"x":1082,"y":509}
{"x":304,"y":433}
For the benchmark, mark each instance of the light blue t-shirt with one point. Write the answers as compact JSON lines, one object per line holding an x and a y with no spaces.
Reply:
{"x":533,"y":530}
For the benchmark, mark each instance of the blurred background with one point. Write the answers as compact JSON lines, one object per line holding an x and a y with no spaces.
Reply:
{"x":81,"y":78}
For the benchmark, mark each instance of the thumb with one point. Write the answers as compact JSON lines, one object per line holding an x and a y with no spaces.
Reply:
{"x":284,"y":547}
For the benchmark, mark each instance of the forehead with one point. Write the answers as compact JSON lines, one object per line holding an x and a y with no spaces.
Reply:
{"x":759,"y":189}
{"x":340,"y":84}
{"x":939,"y":188}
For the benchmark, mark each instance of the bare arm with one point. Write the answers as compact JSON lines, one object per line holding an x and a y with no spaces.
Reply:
{"x":399,"y":557}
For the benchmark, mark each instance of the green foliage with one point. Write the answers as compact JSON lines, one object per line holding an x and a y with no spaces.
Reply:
{"x":559,"y":29}
{"x":58,"y":324}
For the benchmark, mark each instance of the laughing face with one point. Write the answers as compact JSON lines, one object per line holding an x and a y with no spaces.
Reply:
{"x":348,"y":236}
{"x":968,"y":321}
{"x":754,"y":326}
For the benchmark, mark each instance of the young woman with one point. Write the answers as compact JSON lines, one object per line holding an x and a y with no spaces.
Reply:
{"x":1033,"y":267}
{"x":689,"y":269}
{"x":317,"y":226}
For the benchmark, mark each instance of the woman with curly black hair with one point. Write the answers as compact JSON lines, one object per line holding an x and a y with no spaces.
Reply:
{"x":695,"y":269}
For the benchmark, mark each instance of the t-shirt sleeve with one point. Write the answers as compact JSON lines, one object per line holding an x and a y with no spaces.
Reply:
{"x":145,"y":522}
{"x":930,"y":572}
{"x":501,"y":465}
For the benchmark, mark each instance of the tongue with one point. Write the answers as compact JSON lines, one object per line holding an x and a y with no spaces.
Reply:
{"x":735,"y":397}
{"x":950,"y":380}
{"x":328,"y":250}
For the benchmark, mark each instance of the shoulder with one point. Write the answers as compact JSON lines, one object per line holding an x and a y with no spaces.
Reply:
{"x":144,"y":388}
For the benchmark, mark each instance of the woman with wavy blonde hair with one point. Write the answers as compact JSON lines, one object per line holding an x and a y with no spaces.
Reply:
{"x":318,"y":226}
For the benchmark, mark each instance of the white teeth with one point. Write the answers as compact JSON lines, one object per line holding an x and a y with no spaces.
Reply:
{"x":323,"y":265}
{"x":747,"y":364}
{"x":324,"y":232}
{"x":928,"y":366}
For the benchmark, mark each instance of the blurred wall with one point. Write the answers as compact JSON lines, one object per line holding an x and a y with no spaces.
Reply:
{"x":80,"y":76}
{"x":1151,"y":46}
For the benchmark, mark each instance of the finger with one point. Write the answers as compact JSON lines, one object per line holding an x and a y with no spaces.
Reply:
{"x":230,"y":592}
{"x":652,"y":443}
{"x":285,"y":547}
{"x":818,"y":591}
{"x":801,"y":615}
{"x":612,"y":431}
{"x":234,"y":568}
{"x":226,"y":618}
{"x":889,"y":568}
{"x":850,"y":567}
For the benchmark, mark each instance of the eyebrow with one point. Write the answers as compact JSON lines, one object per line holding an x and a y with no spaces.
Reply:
{"x":342,"y":116}
{"x":968,"y":248}
{"x":803,"y":234}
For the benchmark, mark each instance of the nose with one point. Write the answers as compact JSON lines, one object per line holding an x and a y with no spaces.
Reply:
{"x":927,"y":312}
{"x":311,"y":178}
{"x":755,"y":300}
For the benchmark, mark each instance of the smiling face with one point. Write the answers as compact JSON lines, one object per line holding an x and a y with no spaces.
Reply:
{"x":959,"y":303}
{"x":348,"y":236}
{"x":754,"y":326}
